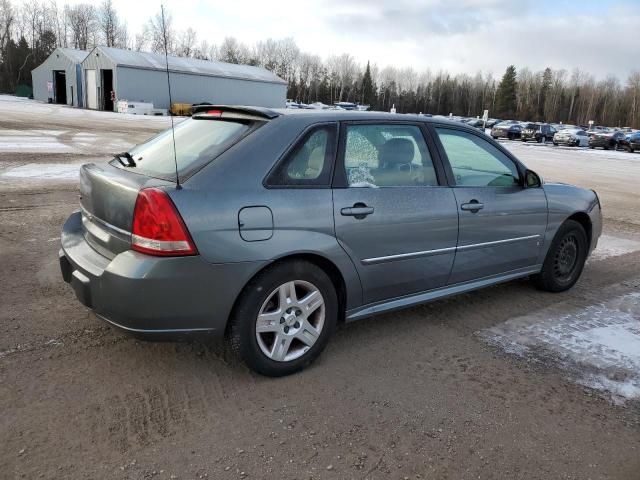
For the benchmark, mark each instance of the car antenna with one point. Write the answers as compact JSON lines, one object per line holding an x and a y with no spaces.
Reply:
{"x":173,"y":131}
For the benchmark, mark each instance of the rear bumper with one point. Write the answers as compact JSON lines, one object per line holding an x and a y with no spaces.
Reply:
{"x":564,"y":141}
{"x":151,"y":295}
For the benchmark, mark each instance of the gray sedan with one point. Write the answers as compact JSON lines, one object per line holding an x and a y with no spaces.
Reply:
{"x":272,"y":226}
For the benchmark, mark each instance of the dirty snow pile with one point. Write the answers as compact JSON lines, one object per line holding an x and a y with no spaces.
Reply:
{"x":598,"y":346}
{"x":610,"y":246}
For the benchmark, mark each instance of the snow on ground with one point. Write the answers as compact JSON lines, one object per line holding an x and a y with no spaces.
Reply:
{"x":598,"y":346}
{"x":10,"y":103}
{"x":44,"y":171}
{"x":518,"y":146}
{"x":41,"y":141}
{"x":610,"y":246}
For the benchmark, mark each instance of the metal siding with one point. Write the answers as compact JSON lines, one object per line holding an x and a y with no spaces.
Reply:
{"x":96,"y":60}
{"x":58,"y":60}
{"x":151,"y":86}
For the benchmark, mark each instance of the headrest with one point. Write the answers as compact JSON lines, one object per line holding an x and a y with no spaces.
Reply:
{"x":396,"y":151}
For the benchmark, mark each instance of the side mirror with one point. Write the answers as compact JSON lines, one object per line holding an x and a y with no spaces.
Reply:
{"x":532,"y":179}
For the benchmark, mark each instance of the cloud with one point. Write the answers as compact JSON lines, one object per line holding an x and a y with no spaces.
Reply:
{"x":466,"y":36}
{"x":490,"y":35}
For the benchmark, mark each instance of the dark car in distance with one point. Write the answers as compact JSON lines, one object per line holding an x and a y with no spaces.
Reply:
{"x":269,"y":227}
{"x":539,"y":132}
{"x":631,"y":142}
{"x":509,"y":129}
{"x":476,"y":123}
{"x":607,"y":140}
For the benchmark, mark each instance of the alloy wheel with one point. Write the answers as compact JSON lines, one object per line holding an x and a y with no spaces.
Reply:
{"x":290,"y":321}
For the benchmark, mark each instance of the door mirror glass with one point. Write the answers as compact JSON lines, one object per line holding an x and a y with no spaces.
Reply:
{"x":532,"y":180}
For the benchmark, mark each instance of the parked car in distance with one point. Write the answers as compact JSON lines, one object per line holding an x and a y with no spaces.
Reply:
{"x":631,"y":142}
{"x":540,"y":132}
{"x":241,"y":250}
{"x":476,"y":123}
{"x":491,"y":122}
{"x":608,"y":140}
{"x":597,"y":129}
{"x":573,"y":137}
{"x":509,"y":129}
{"x":562,"y":126}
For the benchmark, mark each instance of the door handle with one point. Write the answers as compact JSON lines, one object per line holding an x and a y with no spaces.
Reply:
{"x":473,"y":206}
{"x":359,"y":210}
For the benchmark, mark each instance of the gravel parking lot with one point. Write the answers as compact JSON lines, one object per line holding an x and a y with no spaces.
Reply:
{"x":506,"y":382}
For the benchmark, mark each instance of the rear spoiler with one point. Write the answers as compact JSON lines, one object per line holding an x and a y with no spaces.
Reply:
{"x":260,"y":112}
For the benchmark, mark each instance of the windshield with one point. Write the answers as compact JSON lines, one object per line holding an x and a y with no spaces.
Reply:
{"x":198,"y":141}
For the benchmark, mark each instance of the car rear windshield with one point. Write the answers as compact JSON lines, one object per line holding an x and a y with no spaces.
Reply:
{"x":197,"y":142}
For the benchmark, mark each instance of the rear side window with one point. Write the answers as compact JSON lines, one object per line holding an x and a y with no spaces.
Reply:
{"x":387,"y":155}
{"x":310,"y":162}
{"x":197,"y":142}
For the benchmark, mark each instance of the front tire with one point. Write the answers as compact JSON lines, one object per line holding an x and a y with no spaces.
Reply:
{"x":284,"y":318}
{"x":565,"y":259}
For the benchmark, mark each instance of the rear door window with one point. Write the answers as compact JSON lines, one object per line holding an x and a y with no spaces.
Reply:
{"x":387,"y":155}
{"x":197,"y":142}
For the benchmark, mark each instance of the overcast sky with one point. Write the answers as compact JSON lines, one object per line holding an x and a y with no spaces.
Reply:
{"x":461,"y":36}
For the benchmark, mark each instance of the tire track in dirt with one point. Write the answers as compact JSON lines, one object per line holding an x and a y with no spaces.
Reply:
{"x":143,"y":416}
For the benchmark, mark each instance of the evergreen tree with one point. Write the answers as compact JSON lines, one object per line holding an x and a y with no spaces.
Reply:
{"x":545,"y":89}
{"x":368,"y":91}
{"x":506,"y":100}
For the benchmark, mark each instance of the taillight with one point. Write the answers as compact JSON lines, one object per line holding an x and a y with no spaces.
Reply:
{"x":158,"y":228}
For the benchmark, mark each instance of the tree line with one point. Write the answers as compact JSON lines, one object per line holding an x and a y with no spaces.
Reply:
{"x":29,"y":33}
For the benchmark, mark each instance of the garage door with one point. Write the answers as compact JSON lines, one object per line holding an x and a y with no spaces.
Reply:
{"x":92,"y":93}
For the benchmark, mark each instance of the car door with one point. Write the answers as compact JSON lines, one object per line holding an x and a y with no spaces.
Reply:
{"x":394,"y":215}
{"x":502,"y":222}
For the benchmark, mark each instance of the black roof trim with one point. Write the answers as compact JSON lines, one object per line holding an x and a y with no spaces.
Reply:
{"x":256,"y":111}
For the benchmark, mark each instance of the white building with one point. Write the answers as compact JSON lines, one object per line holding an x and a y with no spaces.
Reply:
{"x":111,"y":74}
{"x":59,"y":78}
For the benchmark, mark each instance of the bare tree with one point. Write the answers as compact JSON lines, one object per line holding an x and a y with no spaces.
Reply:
{"x":7,"y":18}
{"x":187,"y":43}
{"x":82,"y":20}
{"x":109,"y":25}
{"x":232,"y":51}
{"x":154,"y":34}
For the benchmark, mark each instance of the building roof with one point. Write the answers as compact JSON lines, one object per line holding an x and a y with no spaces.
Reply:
{"x":76,"y":55}
{"x":156,"y":61}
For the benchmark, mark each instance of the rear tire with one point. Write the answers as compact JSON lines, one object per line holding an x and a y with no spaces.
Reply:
{"x":565,"y":259}
{"x":276,"y":339}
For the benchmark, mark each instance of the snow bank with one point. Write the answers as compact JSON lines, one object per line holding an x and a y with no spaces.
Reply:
{"x":609,"y":246}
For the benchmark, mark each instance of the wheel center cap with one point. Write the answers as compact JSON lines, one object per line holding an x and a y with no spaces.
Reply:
{"x":290,"y":319}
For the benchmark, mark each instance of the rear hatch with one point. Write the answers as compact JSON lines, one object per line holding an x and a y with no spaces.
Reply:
{"x":109,"y":190}
{"x":107,"y":200}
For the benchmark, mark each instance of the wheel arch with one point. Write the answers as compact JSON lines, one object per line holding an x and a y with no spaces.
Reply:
{"x":583,"y":219}
{"x":322,"y":262}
